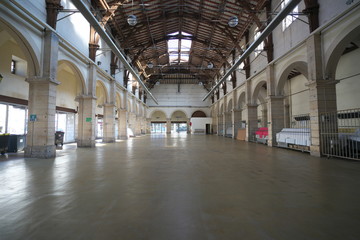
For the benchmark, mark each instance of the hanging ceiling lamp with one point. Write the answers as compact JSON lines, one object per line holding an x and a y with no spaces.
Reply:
{"x":132,"y":19}
{"x":210,"y":65}
{"x":233,"y":21}
{"x":150,"y":65}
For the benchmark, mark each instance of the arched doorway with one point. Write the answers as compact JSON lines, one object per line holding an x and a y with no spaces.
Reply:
{"x":17,"y":63}
{"x":340,"y":128}
{"x":257,"y":114}
{"x":101,"y":99}
{"x":71,"y":85}
{"x":158,"y":122}
{"x":179,"y":122}
{"x":292,"y":128}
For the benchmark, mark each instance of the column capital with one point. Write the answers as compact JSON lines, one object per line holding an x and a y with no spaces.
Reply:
{"x":109,"y":105}
{"x":321,"y":83}
{"x":90,"y":97}
{"x":274,"y":97}
{"x":251,"y":105}
{"x":37,"y":79}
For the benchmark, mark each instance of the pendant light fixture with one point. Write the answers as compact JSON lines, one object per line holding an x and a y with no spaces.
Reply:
{"x":233,"y":21}
{"x":132,"y":19}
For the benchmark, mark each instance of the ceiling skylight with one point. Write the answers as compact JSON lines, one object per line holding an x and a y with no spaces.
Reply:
{"x":179,"y":47}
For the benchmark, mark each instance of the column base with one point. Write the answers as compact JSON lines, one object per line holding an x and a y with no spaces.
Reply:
{"x":315,"y":151}
{"x":40,"y":151}
{"x":108,"y":140}
{"x":123,"y":137}
{"x":86,"y":143}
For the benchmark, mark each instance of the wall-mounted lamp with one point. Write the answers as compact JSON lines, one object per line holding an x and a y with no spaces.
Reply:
{"x":1,"y":78}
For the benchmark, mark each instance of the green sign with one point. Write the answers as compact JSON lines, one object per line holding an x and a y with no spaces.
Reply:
{"x":88,"y":119}
{"x":33,"y":117}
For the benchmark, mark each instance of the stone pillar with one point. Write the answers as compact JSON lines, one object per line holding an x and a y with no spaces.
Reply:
{"x":40,"y":138}
{"x":235,"y":121}
{"x":86,"y":121}
{"x":138,"y":120}
{"x":276,"y":117}
{"x":264,"y":118}
{"x":109,"y":123}
{"x":168,"y":125}
{"x":122,"y":124}
{"x":228,"y":122}
{"x":220,"y":127}
{"x":188,"y":127}
{"x":322,"y":93}
{"x":251,"y":122}
{"x":42,"y":103}
{"x":322,"y":97}
{"x":148,"y":125}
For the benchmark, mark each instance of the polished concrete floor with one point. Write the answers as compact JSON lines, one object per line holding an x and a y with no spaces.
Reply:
{"x":179,"y":187}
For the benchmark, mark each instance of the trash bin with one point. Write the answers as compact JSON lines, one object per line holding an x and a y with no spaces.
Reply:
{"x":16,"y":143}
{"x":59,"y":138}
{"x":4,"y":143}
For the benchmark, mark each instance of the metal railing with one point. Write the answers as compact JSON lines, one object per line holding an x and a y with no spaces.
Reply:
{"x":340,"y":134}
{"x":298,"y":135}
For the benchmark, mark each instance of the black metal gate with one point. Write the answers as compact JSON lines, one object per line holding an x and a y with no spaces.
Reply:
{"x":340,"y":134}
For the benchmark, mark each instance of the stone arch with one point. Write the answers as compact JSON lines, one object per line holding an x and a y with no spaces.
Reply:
{"x":72,"y":68}
{"x":298,"y":66}
{"x":118,"y":100}
{"x":158,"y":115}
{"x":101,"y":93}
{"x":25,"y":42}
{"x":129,"y":107}
{"x":198,"y":113}
{"x":180,"y":112}
{"x":257,"y":90}
{"x":242,"y":100}
{"x":230,"y":105}
{"x":179,"y":115}
{"x":221,"y":110}
{"x":337,"y":48}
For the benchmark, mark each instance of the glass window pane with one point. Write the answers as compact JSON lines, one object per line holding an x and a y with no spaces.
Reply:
{"x":16,"y":123}
{"x":2,"y":118}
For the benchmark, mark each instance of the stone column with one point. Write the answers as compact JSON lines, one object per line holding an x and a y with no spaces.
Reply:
{"x":148,"y":125}
{"x":188,"y":127}
{"x":220,"y":126}
{"x":228,"y":122}
{"x":138,"y":120}
{"x":86,"y":121}
{"x":168,"y":125}
{"x":264,"y":118}
{"x":235,"y":121}
{"x":109,"y":123}
{"x":322,"y":93}
{"x":276,"y":117}
{"x":251,"y":122}
{"x":40,"y":138}
{"x":122,"y":124}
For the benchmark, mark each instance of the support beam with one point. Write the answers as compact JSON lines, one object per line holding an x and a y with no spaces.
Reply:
{"x":96,"y":25}
{"x":276,"y":21}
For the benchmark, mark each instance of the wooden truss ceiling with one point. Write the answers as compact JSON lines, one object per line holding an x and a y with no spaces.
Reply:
{"x":205,"y":23}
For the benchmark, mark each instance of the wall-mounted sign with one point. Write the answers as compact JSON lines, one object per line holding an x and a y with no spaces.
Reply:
{"x":33,"y":117}
{"x":88,"y":119}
